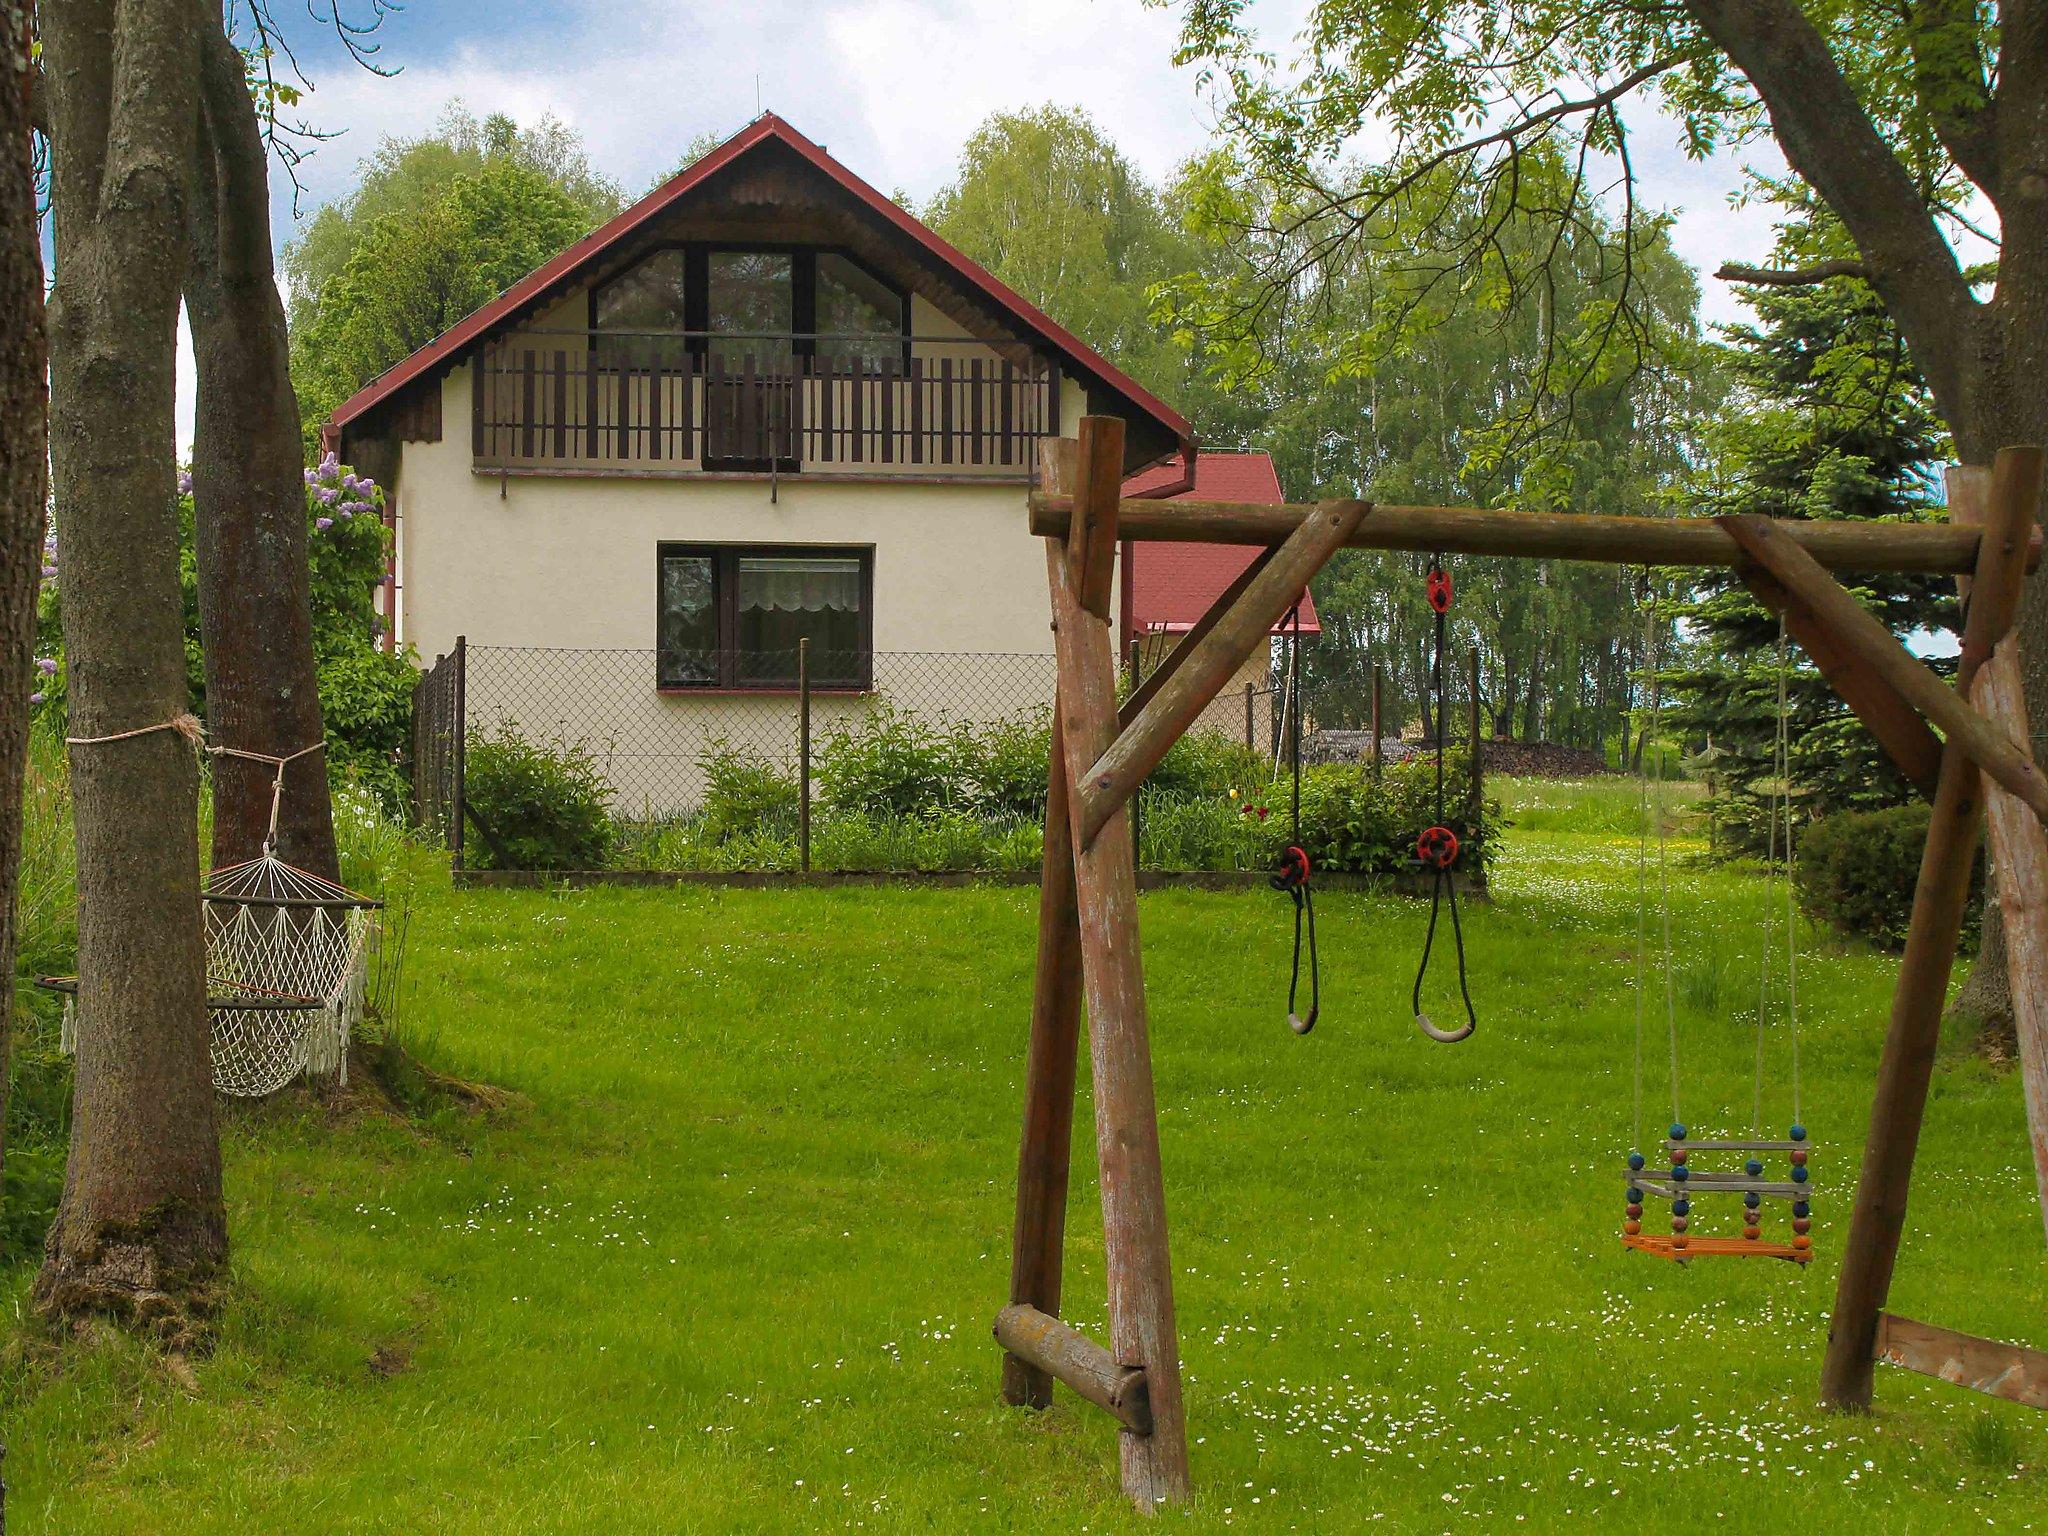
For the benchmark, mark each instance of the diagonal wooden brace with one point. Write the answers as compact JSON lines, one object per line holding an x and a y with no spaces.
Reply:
{"x":1983,"y":742}
{"x":1896,"y":725}
{"x":1142,"y":695}
{"x":1209,"y":663}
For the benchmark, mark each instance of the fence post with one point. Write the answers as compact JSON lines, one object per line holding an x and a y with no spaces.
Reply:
{"x":1378,"y":762}
{"x":455,"y":829}
{"x":1138,"y":794}
{"x":1476,"y":804}
{"x":1250,"y":742}
{"x":803,"y":753}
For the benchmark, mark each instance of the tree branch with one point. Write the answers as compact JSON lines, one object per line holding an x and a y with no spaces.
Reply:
{"x":1949,"y":79}
{"x":1792,"y":277}
{"x":1829,"y":139}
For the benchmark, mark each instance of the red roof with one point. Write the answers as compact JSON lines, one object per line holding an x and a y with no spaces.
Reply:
{"x":763,"y":129}
{"x":1173,"y":585}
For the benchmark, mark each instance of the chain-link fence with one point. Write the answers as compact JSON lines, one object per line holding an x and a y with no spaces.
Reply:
{"x":653,"y":736}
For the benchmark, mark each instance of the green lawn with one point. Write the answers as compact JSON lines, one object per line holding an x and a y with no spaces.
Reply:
{"x":732,"y":1263}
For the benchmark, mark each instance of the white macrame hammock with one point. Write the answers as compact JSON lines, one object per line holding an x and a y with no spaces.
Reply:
{"x":287,"y":962}
{"x":277,"y":934}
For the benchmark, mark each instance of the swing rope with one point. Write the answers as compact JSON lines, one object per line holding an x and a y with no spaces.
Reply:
{"x":1650,"y":805}
{"x":1437,"y":848}
{"x":1779,"y":815}
{"x":1294,"y":871}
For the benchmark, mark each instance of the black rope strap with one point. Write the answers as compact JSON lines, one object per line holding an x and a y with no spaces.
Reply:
{"x":1293,"y":875}
{"x":1437,"y":848}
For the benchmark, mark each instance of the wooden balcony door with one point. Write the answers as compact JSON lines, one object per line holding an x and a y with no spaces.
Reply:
{"x":751,"y":414}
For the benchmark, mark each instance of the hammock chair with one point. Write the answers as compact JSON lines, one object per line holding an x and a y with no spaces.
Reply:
{"x":286,"y":957}
{"x":1680,"y":1179}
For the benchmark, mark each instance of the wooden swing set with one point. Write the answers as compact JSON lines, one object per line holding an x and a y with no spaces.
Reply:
{"x":1088,"y":941}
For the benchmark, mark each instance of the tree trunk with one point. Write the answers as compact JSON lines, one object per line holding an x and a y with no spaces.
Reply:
{"x":255,"y":603}
{"x":140,"y":1231}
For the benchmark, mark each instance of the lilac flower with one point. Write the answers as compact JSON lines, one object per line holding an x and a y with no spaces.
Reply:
{"x":326,"y":495}
{"x":323,"y":523}
{"x":37,"y":697}
{"x":346,"y":515}
{"x":49,"y":573}
{"x":46,"y":665}
{"x":330,"y":464}
{"x":311,"y":475}
{"x":356,"y":506}
{"x":184,"y":482}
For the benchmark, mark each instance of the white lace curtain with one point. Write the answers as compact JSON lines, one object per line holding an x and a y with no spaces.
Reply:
{"x":784,"y":584}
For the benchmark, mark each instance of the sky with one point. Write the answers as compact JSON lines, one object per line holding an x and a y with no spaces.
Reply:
{"x":891,"y":87}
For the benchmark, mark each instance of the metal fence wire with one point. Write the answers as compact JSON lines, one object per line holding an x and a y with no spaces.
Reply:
{"x":652,"y":731}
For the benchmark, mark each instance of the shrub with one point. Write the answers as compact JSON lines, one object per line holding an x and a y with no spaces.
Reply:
{"x":744,"y":796}
{"x":547,"y":803}
{"x":1208,"y":763}
{"x":1007,"y":761}
{"x":1856,"y":871}
{"x":894,"y":764}
{"x":1355,"y":823}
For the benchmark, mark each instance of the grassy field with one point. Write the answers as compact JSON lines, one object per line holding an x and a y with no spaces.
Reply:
{"x":730,"y":1265}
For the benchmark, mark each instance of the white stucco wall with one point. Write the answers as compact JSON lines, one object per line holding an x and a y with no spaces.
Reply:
{"x":567,"y":564}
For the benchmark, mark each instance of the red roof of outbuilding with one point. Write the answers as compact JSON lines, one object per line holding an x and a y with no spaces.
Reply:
{"x":1172,"y":585}
{"x":761,"y":130}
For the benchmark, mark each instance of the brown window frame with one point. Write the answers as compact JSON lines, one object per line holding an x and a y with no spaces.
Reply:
{"x":725,"y":560}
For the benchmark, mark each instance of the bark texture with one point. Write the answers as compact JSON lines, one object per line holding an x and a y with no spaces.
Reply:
{"x":140,"y":1232}
{"x":255,"y":603}
{"x":24,"y":473}
{"x":1983,"y":357}
{"x":24,"y":485}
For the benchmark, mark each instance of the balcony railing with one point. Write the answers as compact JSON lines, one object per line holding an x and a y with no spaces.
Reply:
{"x":670,"y":402}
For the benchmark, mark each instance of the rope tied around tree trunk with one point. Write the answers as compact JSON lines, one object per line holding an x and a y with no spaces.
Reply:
{"x":189,"y":726}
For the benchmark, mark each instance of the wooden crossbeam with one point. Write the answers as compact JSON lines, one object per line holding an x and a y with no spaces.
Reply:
{"x":1051,"y":1346}
{"x":2011,"y":1371}
{"x":1210,"y":663}
{"x":1926,"y":548}
{"x":1986,"y":745}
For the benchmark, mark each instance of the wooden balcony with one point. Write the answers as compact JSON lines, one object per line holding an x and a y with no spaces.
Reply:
{"x":676,"y":403}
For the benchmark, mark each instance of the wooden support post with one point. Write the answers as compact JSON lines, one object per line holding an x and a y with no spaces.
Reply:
{"x":1907,"y":1064}
{"x":1250,"y":722}
{"x":2019,"y":858}
{"x":1136,"y":1258}
{"x":1055,"y":1350}
{"x":1039,"y":1236}
{"x":1103,"y":787}
{"x":1848,"y":623}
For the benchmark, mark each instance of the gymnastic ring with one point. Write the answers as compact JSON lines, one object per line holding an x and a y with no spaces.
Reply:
{"x":1443,"y":1036}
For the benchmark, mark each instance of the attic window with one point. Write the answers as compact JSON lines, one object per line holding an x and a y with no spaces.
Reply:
{"x":647,"y":297}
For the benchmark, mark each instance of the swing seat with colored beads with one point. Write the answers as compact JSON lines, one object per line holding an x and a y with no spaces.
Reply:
{"x":1684,"y":1180}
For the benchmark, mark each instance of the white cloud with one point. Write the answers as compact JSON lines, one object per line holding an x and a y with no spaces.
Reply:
{"x":892,"y":87}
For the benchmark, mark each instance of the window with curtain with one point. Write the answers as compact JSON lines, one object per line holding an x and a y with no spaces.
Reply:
{"x":733,"y":618}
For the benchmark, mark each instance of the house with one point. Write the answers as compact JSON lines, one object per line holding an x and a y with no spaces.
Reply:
{"x":1166,"y":588}
{"x":762,"y":410}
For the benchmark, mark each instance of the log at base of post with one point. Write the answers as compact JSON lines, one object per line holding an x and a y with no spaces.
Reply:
{"x":1056,"y":1350}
